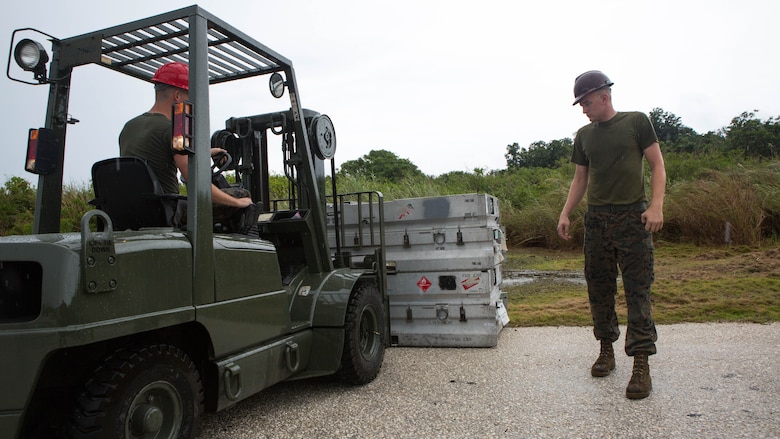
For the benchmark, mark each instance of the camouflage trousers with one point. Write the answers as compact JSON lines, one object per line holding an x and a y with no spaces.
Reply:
{"x":619,"y":240}
{"x":224,"y":213}
{"x":221,"y":214}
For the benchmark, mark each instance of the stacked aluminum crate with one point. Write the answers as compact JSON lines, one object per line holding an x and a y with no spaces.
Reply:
{"x":447,"y":251}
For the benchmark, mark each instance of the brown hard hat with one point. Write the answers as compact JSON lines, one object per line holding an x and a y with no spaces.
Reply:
{"x":589,"y":82}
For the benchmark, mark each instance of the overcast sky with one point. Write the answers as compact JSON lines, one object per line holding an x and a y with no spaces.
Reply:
{"x":445,"y":84}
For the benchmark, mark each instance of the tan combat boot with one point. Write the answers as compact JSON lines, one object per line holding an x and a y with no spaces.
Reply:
{"x":606,"y":361}
{"x":640,"y":384}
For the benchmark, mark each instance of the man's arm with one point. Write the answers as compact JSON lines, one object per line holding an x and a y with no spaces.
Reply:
{"x":217,"y":196}
{"x":653,"y":217}
{"x":579,"y":185}
{"x":220,"y":197}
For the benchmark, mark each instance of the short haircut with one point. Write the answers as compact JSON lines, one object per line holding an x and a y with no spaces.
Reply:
{"x":159,"y":86}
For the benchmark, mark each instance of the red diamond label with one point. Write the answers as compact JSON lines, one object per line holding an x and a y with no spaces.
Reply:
{"x":424,"y":284}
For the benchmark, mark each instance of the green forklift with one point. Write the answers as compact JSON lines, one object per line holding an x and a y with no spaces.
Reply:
{"x":136,"y":325}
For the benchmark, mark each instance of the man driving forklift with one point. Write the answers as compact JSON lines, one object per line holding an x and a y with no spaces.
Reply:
{"x":149,"y":135}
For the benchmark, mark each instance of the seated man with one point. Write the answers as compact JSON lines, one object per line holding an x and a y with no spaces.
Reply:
{"x":148,"y":136}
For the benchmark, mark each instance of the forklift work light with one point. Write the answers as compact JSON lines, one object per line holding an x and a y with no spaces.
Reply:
{"x":32,"y":57}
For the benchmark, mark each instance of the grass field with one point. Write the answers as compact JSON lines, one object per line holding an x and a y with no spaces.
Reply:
{"x":692,"y":284}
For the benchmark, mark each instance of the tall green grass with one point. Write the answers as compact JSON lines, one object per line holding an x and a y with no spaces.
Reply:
{"x":736,"y":206}
{"x":704,"y":199}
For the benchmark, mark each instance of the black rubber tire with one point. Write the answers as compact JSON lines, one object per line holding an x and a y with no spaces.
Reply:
{"x":364,"y":336}
{"x":149,"y":392}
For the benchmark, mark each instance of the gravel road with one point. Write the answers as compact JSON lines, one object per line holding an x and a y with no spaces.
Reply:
{"x":709,"y":381}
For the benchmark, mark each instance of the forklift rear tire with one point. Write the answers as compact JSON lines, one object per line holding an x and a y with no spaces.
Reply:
{"x":364,"y":336}
{"x":152,"y":391}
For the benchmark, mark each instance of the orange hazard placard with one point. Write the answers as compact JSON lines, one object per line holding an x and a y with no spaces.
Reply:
{"x":424,"y":284}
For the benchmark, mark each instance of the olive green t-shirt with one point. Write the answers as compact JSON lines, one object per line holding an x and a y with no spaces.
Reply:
{"x":148,"y":136}
{"x":613,"y":152}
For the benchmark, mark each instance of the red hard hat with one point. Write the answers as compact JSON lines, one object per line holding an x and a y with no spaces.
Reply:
{"x":176,"y":74}
{"x":589,"y":82}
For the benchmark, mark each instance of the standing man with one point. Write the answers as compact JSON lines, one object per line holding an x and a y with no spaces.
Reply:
{"x":149,"y":136}
{"x":608,"y":156}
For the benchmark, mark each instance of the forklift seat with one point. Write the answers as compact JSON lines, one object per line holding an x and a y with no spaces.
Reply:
{"x":127,"y":189}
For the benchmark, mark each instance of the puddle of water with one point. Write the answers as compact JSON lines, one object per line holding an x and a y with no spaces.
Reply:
{"x":523,"y":277}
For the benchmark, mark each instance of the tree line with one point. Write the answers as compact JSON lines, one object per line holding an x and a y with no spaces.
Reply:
{"x":746,"y":134}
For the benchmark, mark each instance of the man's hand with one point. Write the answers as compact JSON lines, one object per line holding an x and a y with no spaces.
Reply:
{"x":221,"y":198}
{"x":219,"y":156}
{"x":653,"y":219}
{"x":243,"y":202}
{"x":563,"y":227}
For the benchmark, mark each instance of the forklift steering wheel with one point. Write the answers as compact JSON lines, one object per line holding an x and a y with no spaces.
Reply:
{"x":221,"y":163}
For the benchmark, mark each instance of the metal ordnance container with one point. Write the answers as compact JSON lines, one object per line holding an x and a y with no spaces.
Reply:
{"x":447,"y":253}
{"x":448,"y":321}
{"x":422,"y":246}
{"x":458,"y":210}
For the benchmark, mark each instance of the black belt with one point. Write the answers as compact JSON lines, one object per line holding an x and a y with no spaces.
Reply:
{"x":635,"y":207}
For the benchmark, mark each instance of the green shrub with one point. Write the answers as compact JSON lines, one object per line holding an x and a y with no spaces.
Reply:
{"x":17,"y":206}
{"x":75,"y":202}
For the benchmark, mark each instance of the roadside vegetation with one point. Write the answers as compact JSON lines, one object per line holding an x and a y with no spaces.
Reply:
{"x":716,"y":258}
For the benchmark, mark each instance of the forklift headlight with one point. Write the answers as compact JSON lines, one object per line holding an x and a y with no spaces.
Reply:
{"x":32,"y":57}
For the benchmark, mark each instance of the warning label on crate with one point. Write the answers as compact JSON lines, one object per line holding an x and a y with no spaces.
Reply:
{"x":470,"y":282}
{"x":405,"y":211}
{"x":424,"y":284}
